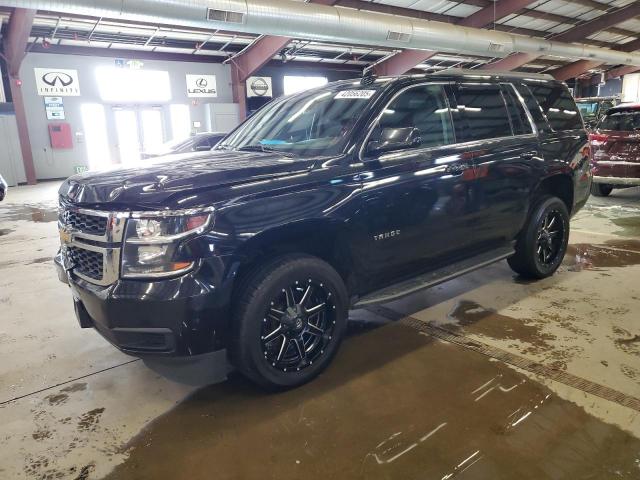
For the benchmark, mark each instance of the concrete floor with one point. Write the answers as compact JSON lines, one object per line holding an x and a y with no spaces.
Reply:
{"x":484,"y":377}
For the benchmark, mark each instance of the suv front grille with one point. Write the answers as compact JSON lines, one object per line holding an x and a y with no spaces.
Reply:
{"x":86,"y":262}
{"x":91,"y":241}
{"x":83,"y":222}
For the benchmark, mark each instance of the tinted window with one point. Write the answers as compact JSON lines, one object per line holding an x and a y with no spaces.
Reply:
{"x":519,"y":120}
{"x":316,"y":122}
{"x":533,"y":107}
{"x":621,"y":120}
{"x":558,"y":105}
{"x":204,"y":143}
{"x":424,"y":108}
{"x":484,"y":110}
{"x":588,"y":109}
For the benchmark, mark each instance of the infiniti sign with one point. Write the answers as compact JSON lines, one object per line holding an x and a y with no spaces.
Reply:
{"x":57,"y":82}
{"x":57,"y":79}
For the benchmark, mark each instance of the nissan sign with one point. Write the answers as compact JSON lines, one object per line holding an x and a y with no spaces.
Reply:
{"x":259,"y":87}
{"x":57,"y":82}
{"x":201,"y":86}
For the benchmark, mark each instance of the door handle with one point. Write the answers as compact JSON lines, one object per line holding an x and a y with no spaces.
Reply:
{"x":527,"y":155}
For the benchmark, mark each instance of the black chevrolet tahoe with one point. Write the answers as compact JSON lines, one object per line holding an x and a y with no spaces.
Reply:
{"x":357,"y":192}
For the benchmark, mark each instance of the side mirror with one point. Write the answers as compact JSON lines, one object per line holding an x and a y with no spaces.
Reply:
{"x":392,"y":139}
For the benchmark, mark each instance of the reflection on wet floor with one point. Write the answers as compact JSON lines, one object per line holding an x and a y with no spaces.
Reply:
{"x":617,"y":253}
{"x":30,"y":213}
{"x":630,"y":226}
{"x":394,"y":404}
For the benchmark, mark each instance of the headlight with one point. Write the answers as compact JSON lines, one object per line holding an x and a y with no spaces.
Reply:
{"x":152,"y":239}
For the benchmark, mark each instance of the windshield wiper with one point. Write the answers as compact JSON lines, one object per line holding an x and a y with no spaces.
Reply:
{"x":264,"y":148}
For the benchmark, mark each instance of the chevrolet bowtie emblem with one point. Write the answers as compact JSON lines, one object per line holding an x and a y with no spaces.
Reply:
{"x":65,"y":236}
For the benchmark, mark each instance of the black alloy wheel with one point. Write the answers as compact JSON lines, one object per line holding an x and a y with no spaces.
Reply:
{"x":550,"y":235}
{"x":542,"y":243}
{"x":298,"y":325}
{"x":289,"y":317}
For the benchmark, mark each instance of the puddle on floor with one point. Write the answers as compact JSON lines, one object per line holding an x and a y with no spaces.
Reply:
{"x":29,"y":213}
{"x":584,"y":256}
{"x":394,"y":404}
{"x":474,"y":318}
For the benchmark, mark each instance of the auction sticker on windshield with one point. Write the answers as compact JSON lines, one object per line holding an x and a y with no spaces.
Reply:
{"x":355,"y":94}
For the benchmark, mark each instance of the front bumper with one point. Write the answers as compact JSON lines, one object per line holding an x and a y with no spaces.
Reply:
{"x":178,"y":317}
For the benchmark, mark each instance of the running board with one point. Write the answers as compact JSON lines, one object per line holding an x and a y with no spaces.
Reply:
{"x":435,"y":277}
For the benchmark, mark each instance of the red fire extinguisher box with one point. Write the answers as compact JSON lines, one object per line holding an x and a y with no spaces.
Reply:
{"x":60,"y":135}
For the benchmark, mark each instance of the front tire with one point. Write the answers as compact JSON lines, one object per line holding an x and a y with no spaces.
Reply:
{"x":542,"y":244}
{"x":289,"y":317}
{"x":601,"y":190}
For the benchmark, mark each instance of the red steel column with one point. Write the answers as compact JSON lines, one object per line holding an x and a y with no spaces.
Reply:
{"x":15,"y":45}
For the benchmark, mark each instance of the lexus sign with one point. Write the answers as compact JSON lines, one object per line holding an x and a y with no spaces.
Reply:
{"x":201,"y":86}
{"x":57,"y":82}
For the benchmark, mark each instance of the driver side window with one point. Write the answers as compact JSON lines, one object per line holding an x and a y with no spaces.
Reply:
{"x":423,"y":107}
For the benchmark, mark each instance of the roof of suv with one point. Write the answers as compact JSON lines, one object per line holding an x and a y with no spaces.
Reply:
{"x":453,"y":74}
{"x":624,"y":106}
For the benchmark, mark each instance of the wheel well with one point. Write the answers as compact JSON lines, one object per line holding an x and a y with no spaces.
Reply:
{"x":560,"y":186}
{"x":321,"y":239}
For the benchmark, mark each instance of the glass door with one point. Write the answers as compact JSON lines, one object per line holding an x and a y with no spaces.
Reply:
{"x":151,"y":129}
{"x":128,"y":135}
{"x":139,"y":129}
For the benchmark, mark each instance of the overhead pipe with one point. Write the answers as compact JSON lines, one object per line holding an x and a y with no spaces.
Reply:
{"x":326,"y":23}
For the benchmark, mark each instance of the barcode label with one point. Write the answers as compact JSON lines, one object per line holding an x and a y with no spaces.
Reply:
{"x":355,"y":94}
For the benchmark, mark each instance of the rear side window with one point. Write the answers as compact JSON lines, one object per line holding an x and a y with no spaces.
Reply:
{"x":484,"y":110}
{"x":558,"y":105}
{"x":621,"y":120}
{"x":533,"y":107}
{"x":519,"y":120}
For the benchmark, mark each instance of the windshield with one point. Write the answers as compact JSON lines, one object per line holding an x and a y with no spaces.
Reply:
{"x":588,"y":109}
{"x":309,"y":124}
{"x":621,"y":120}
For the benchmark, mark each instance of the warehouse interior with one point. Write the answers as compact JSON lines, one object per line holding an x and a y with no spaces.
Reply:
{"x":487,"y":375}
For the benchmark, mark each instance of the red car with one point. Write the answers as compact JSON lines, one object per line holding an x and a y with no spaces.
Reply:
{"x":615,"y":150}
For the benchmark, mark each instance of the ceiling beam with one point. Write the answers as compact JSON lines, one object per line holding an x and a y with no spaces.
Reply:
{"x":405,"y":60}
{"x":574,"y":69}
{"x":254,"y":57}
{"x":622,"y":71}
{"x":581,"y":66}
{"x":598,"y":24}
{"x":493,"y":12}
{"x":579,"y":32}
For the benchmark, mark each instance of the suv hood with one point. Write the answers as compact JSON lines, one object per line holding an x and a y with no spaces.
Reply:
{"x":160,"y":183}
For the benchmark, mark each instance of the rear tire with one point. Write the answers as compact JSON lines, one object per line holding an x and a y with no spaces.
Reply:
{"x":289,"y":317}
{"x":542,"y":243}
{"x":601,"y":189}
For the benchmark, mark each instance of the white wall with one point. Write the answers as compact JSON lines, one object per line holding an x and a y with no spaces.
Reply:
{"x":11,"y":165}
{"x":631,"y":88}
{"x":60,"y":163}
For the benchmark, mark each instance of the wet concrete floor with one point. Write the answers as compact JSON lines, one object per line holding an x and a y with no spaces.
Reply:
{"x":395,"y":404}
